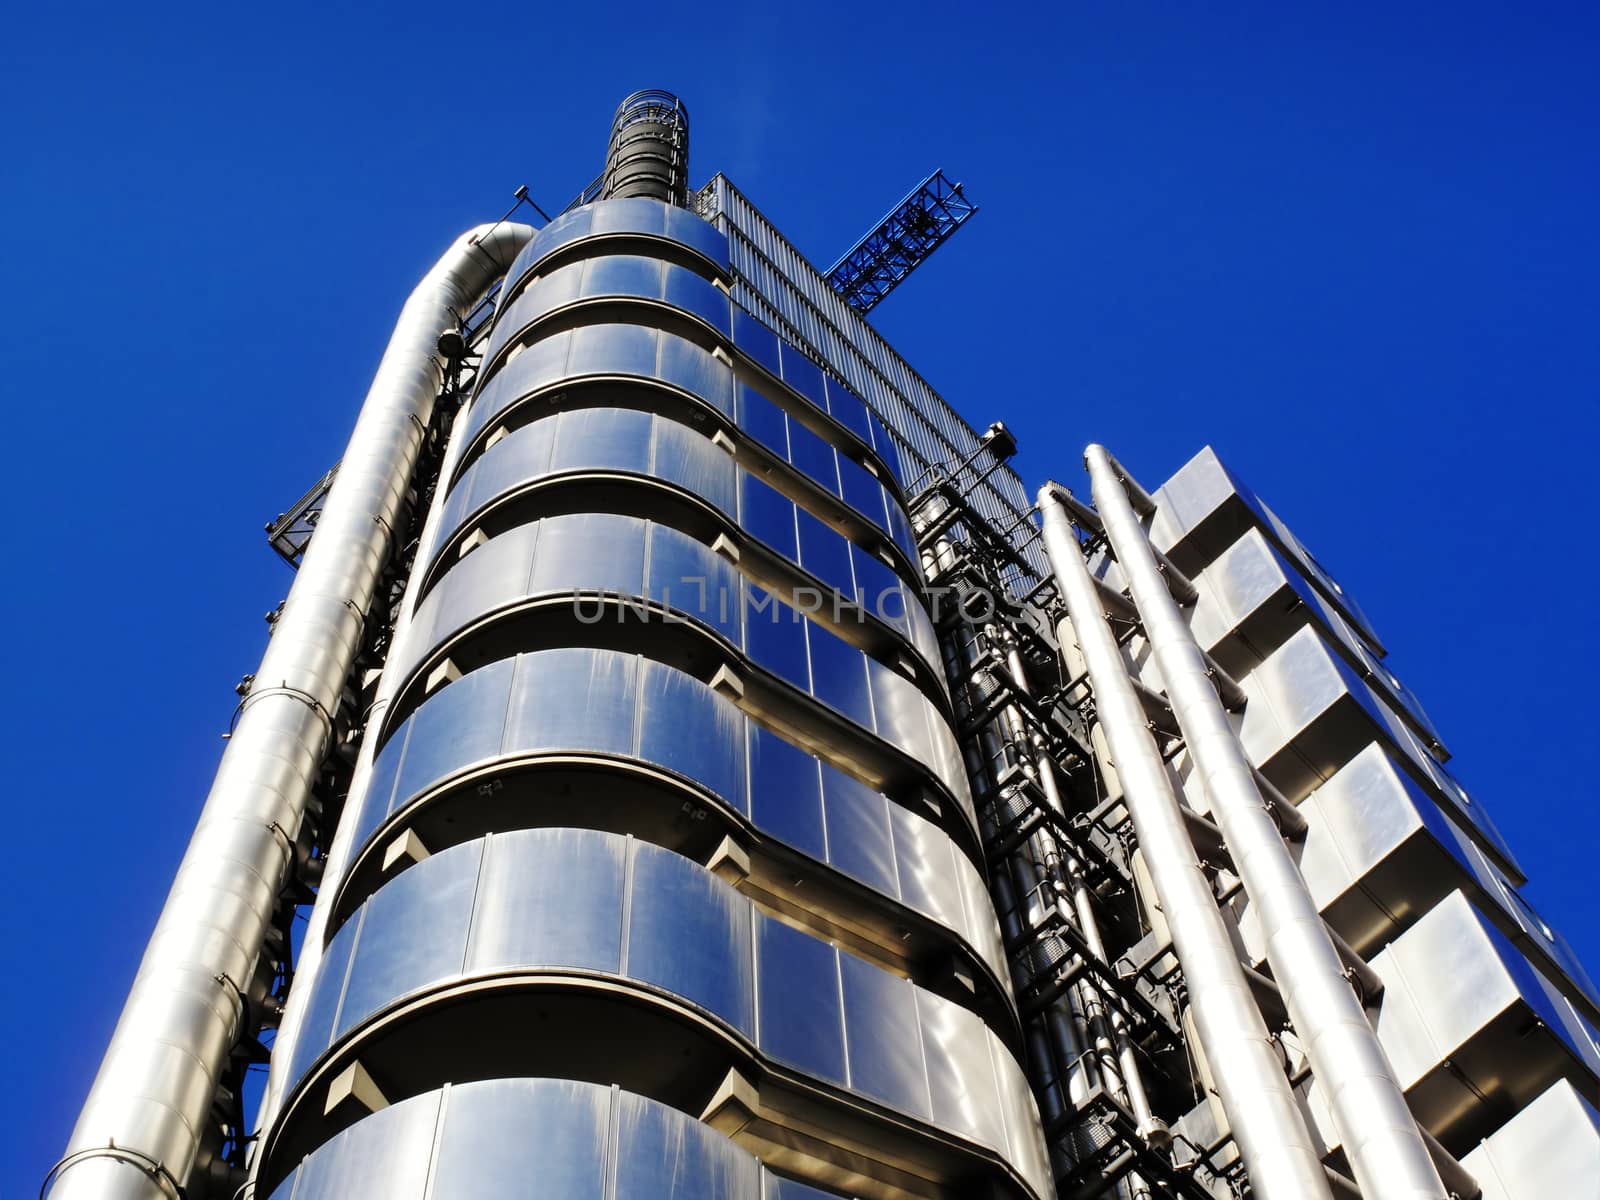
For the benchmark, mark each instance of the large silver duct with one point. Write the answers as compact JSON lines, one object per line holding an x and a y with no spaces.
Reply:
{"x":1267,"y":1124}
{"x":140,"y":1129}
{"x":337,"y":862}
{"x":1387,"y":1153}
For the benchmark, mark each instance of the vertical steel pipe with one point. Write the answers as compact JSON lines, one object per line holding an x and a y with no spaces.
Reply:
{"x":1267,"y":1124}
{"x":147,"y":1111}
{"x":1380,"y":1136}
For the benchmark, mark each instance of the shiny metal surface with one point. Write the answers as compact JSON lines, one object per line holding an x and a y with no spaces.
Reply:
{"x":658,"y":716}
{"x":586,"y":555}
{"x":1380,"y":853}
{"x":633,"y":353}
{"x":1204,"y":508}
{"x":606,"y":440}
{"x":1386,"y":1150}
{"x":1278,"y":1150}
{"x":1309,"y":713}
{"x":551,"y":1137}
{"x":155,"y":1083}
{"x":1252,"y":600}
{"x":662,"y":921}
{"x":1471,"y":1027}
{"x":616,"y":220}
{"x":1551,"y":1148}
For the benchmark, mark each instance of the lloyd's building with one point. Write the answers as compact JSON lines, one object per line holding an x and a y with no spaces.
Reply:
{"x":708,"y":771}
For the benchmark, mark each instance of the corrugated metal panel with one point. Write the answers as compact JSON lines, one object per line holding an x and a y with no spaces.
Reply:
{"x":776,"y":283}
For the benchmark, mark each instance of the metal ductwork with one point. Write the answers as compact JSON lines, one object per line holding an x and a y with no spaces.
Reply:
{"x":648,"y":154}
{"x":1386,"y":1150}
{"x":1278,"y":1151}
{"x":140,"y":1131}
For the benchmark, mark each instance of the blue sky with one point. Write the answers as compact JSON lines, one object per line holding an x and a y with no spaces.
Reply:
{"x":1356,"y":250}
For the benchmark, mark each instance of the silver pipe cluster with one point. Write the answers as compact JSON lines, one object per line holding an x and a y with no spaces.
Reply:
{"x":140,"y":1131}
{"x":1380,"y":1136}
{"x":1273,"y":1140}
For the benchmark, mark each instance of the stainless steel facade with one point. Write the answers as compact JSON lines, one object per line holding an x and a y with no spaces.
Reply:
{"x":737,"y":801}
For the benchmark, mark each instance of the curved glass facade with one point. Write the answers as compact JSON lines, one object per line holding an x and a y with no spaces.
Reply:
{"x":664,"y":719}
{"x":577,"y":902}
{"x":560,"y":1137}
{"x":611,"y":441}
{"x":611,"y":612}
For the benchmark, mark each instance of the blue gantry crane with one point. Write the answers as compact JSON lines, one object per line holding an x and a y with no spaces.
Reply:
{"x":901,"y":242}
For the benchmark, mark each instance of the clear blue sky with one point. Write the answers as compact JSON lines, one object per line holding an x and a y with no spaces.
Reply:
{"x":1354,"y":250}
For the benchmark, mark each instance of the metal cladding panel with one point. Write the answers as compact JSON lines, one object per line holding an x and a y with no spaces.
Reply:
{"x":1309,"y":714}
{"x":1549,"y":1150}
{"x":775,"y":282}
{"x":1252,"y":600}
{"x":686,"y":933}
{"x":1470,"y":1026}
{"x":1380,"y":853}
{"x":1203,"y":509}
{"x":665,"y":719}
{"x":546,"y":1137}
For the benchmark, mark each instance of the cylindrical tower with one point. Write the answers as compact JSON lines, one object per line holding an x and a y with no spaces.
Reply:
{"x":648,"y":154}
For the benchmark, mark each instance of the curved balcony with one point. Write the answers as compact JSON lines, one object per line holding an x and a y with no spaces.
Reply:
{"x":490,"y":1138}
{"x":634,"y":965}
{"x":655,"y":753}
{"x":599,"y":579}
{"x":548,"y":370}
{"x":510,"y":480}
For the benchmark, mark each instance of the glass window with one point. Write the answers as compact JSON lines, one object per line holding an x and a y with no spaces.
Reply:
{"x":825,"y":553}
{"x":785,"y":792}
{"x":573,"y":699}
{"x":550,"y":898}
{"x":615,"y":438}
{"x":960,"y":1072}
{"x":764,"y":421}
{"x":687,"y":366}
{"x":878,"y":589}
{"x":501,"y":1133}
{"x":613,"y":350}
{"x":862,"y":491}
{"x":688,"y":458}
{"x":849,"y":410}
{"x":859,"y":839}
{"x":804,"y":376}
{"x":664,"y":1155}
{"x":901,"y":710}
{"x":775,"y":638}
{"x":684,"y":226}
{"x":622,"y":275}
{"x":414,"y":932}
{"x":839,"y":675}
{"x":589,"y":552}
{"x":758,"y":343}
{"x":379,"y":792}
{"x":690,"y":933}
{"x":924,"y":864}
{"x":540,"y":364}
{"x":629,"y":214}
{"x":885,"y":1045}
{"x":686,"y":727}
{"x":327,"y":987}
{"x":768,"y":516}
{"x":688,"y":291}
{"x":801,"y":1019}
{"x":383,"y":1157}
{"x":458,"y":725}
{"x":813,"y":457}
